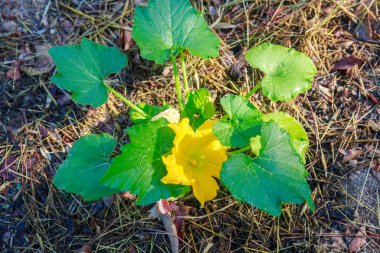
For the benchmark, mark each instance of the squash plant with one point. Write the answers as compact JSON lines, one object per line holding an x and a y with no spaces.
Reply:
{"x":259,"y":158}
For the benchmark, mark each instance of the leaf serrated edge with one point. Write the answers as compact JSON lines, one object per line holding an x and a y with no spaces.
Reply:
{"x":70,"y":156}
{"x":290,"y":142}
{"x":309,"y":200}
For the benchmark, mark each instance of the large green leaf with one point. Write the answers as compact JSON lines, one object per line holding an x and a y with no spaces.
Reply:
{"x":85,"y":164}
{"x":83,"y":67}
{"x":293,"y":127}
{"x":139,"y":168}
{"x":165,"y":27}
{"x":287,"y":71}
{"x":150,"y":110}
{"x":244,"y":122}
{"x":199,"y":107}
{"x":276,"y":176}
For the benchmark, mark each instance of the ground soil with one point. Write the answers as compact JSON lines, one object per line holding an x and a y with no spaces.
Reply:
{"x":341,"y":113}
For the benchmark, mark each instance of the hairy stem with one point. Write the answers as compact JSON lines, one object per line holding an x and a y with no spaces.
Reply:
{"x":184,"y":73}
{"x":126,"y":101}
{"x":258,"y":86}
{"x":177,"y":84}
{"x":239,"y":151}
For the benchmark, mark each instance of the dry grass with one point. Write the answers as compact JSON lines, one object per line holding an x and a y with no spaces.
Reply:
{"x":339,"y":114}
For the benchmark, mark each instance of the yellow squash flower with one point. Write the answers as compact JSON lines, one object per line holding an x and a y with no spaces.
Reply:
{"x":196,"y":158}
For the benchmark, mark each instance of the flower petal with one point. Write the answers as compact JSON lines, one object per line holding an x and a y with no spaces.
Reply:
{"x":196,"y":159}
{"x":206,"y":127}
{"x":181,"y":129}
{"x":176,"y":173}
{"x":205,"y":188}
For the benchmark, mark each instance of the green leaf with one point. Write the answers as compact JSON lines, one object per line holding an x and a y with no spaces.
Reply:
{"x":296,"y":131}
{"x":244,"y":122}
{"x":199,"y":107}
{"x":165,"y":27}
{"x":139,"y":168}
{"x":287,"y":71}
{"x":86,"y":163}
{"x":83,"y":67}
{"x":150,"y":110}
{"x":276,"y":176}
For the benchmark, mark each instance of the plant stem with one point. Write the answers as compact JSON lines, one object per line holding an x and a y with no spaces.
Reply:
{"x":258,"y":86}
{"x":126,"y":101}
{"x":239,"y":150}
{"x":177,"y":84}
{"x":184,"y":73}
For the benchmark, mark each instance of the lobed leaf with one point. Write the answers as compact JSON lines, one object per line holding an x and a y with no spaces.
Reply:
{"x":295,"y":130}
{"x":276,"y":176}
{"x":85,"y":165}
{"x":244,"y":122}
{"x":287,"y":71}
{"x":165,"y":27}
{"x":82,"y":69}
{"x":199,"y":107}
{"x":139,"y":168}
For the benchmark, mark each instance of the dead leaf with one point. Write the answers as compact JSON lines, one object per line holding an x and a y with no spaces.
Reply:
{"x":24,"y":52}
{"x":128,"y":196}
{"x":163,"y":206}
{"x":43,"y":56}
{"x":346,"y":63}
{"x":179,"y":219}
{"x":131,"y":249}
{"x":126,"y":37}
{"x":66,"y":25}
{"x":14,"y":72}
{"x":43,"y":63}
{"x":166,"y":71}
{"x":350,"y":154}
{"x":338,"y":244}
{"x":359,"y":241}
{"x":170,"y":228}
{"x":85,"y":249}
{"x":325,"y":91}
{"x":375,"y":166}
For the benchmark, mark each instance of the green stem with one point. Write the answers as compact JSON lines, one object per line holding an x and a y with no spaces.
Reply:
{"x":239,"y":150}
{"x":126,"y":101}
{"x":177,"y":84}
{"x":184,"y":73}
{"x":258,"y":86}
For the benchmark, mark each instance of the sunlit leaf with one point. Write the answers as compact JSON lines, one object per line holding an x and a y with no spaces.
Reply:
{"x":276,"y":176}
{"x":296,"y":131}
{"x":85,"y":165}
{"x":82,"y":69}
{"x":165,"y":27}
{"x":244,"y":122}
{"x":287,"y":71}
{"x":139,"y":168}
{"x":199,"y":107}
